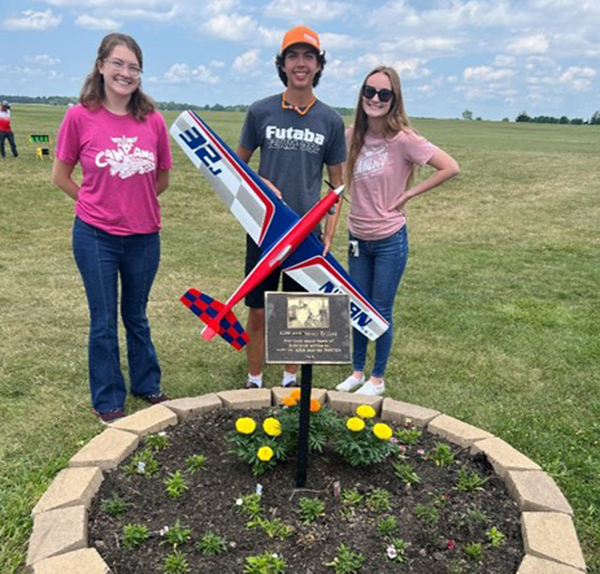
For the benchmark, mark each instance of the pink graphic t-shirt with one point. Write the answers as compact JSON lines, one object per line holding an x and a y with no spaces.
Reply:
{"x":119,"y":158}
{"x":380,"y":175}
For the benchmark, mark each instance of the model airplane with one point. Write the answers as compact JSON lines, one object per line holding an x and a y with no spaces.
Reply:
{"x":284,"y":237}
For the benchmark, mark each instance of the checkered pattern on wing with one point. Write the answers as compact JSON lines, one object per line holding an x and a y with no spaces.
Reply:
{"x":207,"y":308}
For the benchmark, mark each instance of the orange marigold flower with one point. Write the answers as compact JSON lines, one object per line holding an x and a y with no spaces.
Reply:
{"x":295,"y":394}
{"x":289,"y":401}
{"x":315,"y":406}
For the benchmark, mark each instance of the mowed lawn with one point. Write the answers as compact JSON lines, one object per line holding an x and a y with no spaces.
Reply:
{"x":497,"y":320}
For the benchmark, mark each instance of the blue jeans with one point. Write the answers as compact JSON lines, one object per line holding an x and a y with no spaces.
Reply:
{"x":101,"y":259}
{"x":377,"y":269}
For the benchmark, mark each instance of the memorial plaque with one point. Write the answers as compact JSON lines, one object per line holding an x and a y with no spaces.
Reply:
{"x":307,"y":328}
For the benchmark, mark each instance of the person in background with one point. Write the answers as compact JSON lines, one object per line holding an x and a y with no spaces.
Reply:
{"x":297,"y":135}
{"x":383,"y":153}
{"x":122,"y":144}
{"x":6,"y":132}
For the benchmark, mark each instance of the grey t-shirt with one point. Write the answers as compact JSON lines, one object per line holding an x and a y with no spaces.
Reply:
{"x":294,"y":148}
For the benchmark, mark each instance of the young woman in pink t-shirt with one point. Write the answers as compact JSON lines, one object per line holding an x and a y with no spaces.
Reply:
{"x":383,"y":151}
{"x":122,"y":144}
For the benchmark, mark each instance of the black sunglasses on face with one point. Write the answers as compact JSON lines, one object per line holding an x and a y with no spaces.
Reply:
{"x":384,"y":94}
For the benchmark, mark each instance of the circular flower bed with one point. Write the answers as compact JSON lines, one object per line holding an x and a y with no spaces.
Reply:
{"x":217,"y":493}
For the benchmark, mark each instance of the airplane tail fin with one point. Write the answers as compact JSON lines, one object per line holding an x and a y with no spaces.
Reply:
{"x":207,"y":309}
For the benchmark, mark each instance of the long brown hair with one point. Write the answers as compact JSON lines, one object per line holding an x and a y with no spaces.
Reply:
{"x":92,"y":92}
{"x":396,"y":119}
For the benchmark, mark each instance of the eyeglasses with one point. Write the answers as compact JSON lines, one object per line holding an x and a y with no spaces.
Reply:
{"x":119,"y":65}
{"x":384,"y":94}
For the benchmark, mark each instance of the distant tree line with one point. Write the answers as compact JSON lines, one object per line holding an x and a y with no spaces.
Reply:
{"x":66,"y":100}
{"x":594,"y":120}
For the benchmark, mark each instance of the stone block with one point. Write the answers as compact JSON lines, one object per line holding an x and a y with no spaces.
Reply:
{"x":56,"y":532}
{"x":503,"y":457}
{"x":346,"y":403}
{"x":106,"y":450}
{"x":193,"y":406}
{"x":458,"y":432}
{"x":71,"y":487}
{"x":281,"y":392}
{"x":147,"y":421}
{"x":535,"y":490}
{"x":552,"y":536}
{"x":246,"y":398}
{"x":397,"y":411}
{"x":533,"y":565}
{"x":85,"y":561}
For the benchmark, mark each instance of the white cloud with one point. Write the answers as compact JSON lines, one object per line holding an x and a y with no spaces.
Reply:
{"x":579,"y":79}
{"x":182,"y":73}
{"x":533,"y":44}
{"x":217,"y":64}
{"x":248,"y":64}
{"x":332,"y":41}
{"x":415,"y":44}
{"x":30,"y":20}
{"x":42,"y":59}
{"x":307,"y":11}
{"x":504,"y":61}
{"x":92,"y":23}
{"x":411,"y":68}
{"x":487,"y":74}
{"x":234,"y":27}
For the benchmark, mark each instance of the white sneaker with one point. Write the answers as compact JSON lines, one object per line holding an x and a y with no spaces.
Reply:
{"x":371,"y":389}
{"x":350,"y":384}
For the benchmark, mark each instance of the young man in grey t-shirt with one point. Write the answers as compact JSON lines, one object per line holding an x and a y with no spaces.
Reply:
{"x":297,"y":135}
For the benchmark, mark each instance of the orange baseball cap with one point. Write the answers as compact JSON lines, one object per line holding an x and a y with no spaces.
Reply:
{"x":300,"y":35}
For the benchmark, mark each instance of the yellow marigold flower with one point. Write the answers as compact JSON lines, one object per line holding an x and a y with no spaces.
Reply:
{"x":245,"y":425}
{"x":265,"y":453}
{"x":289,"y":401}
{"x":365,"y":412}
{"x":382,"y":431}
{"x":295,"y":394}
{"x":355,"y":424}
{"x":272,"y":426}
{"x":315,"y":406}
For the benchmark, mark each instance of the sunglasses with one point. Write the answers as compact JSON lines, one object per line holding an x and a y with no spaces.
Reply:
{"x":384,"y":94}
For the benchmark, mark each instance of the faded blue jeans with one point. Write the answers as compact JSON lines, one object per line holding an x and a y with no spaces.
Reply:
{"x":378,"y":269}
{"x":102,"y":258}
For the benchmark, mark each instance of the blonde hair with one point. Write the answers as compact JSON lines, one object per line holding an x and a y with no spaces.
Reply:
{"x":92,"y":92}
{"x":396,"y":119}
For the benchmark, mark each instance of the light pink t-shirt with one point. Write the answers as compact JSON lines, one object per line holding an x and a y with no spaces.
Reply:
{"x":119,"y":157}
{"x":380,"y":175}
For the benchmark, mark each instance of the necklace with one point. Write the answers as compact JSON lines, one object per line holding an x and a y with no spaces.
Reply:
{"x":300,"y":110}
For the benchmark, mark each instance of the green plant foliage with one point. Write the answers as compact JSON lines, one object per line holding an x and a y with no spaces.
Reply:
{"x":157,"y":441}
{"x":397,"y":550}
{"x":310,"y":509}
{"x":195,"y":462}
{"x":142,"y":463}
{"x":175,"y":484}
{"x":347,"y":561}
{"x":250,"y":505}
{"x":351,"y":497}
{"x":387,"y":526}
{"x":362,"y":448}
{"x":114,"y":506}
{"x":495,"y":537}
{"x":274,"y":528}
{"x":177,"y":534}
{"x":211,"y":544}
{"x":265,"y":563}
{"x":135,"y":535}
{"x":474,"y":551}
{"x":406,"y":473}
{"x":442,"y":455}
{"x":378,"y":499}
{"x":409,"y":436}
{"x":470,"y":481}
{"x":428,"y":514}
{"x":176,"y":563}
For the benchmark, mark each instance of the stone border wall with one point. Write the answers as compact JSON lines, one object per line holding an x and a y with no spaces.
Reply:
{"x":58,"y":544}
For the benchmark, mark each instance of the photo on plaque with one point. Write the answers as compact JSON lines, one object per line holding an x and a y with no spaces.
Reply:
{"x":308,"y":313}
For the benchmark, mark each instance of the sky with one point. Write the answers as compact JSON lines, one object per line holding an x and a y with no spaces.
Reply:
{"x":494,"y":58}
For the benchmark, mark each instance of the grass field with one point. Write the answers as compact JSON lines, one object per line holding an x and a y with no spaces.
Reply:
{"x":497,"y":320}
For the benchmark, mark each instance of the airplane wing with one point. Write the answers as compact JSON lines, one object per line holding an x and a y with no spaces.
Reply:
{"x":265,"y":218}
{"x":243,"y":192}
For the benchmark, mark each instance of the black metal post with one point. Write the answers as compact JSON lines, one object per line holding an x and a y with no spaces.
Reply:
{"x":306,"y":381}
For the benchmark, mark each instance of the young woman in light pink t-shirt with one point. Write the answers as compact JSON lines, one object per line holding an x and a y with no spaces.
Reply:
{"x":122,"y":144}
{"x":383,"y":151}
